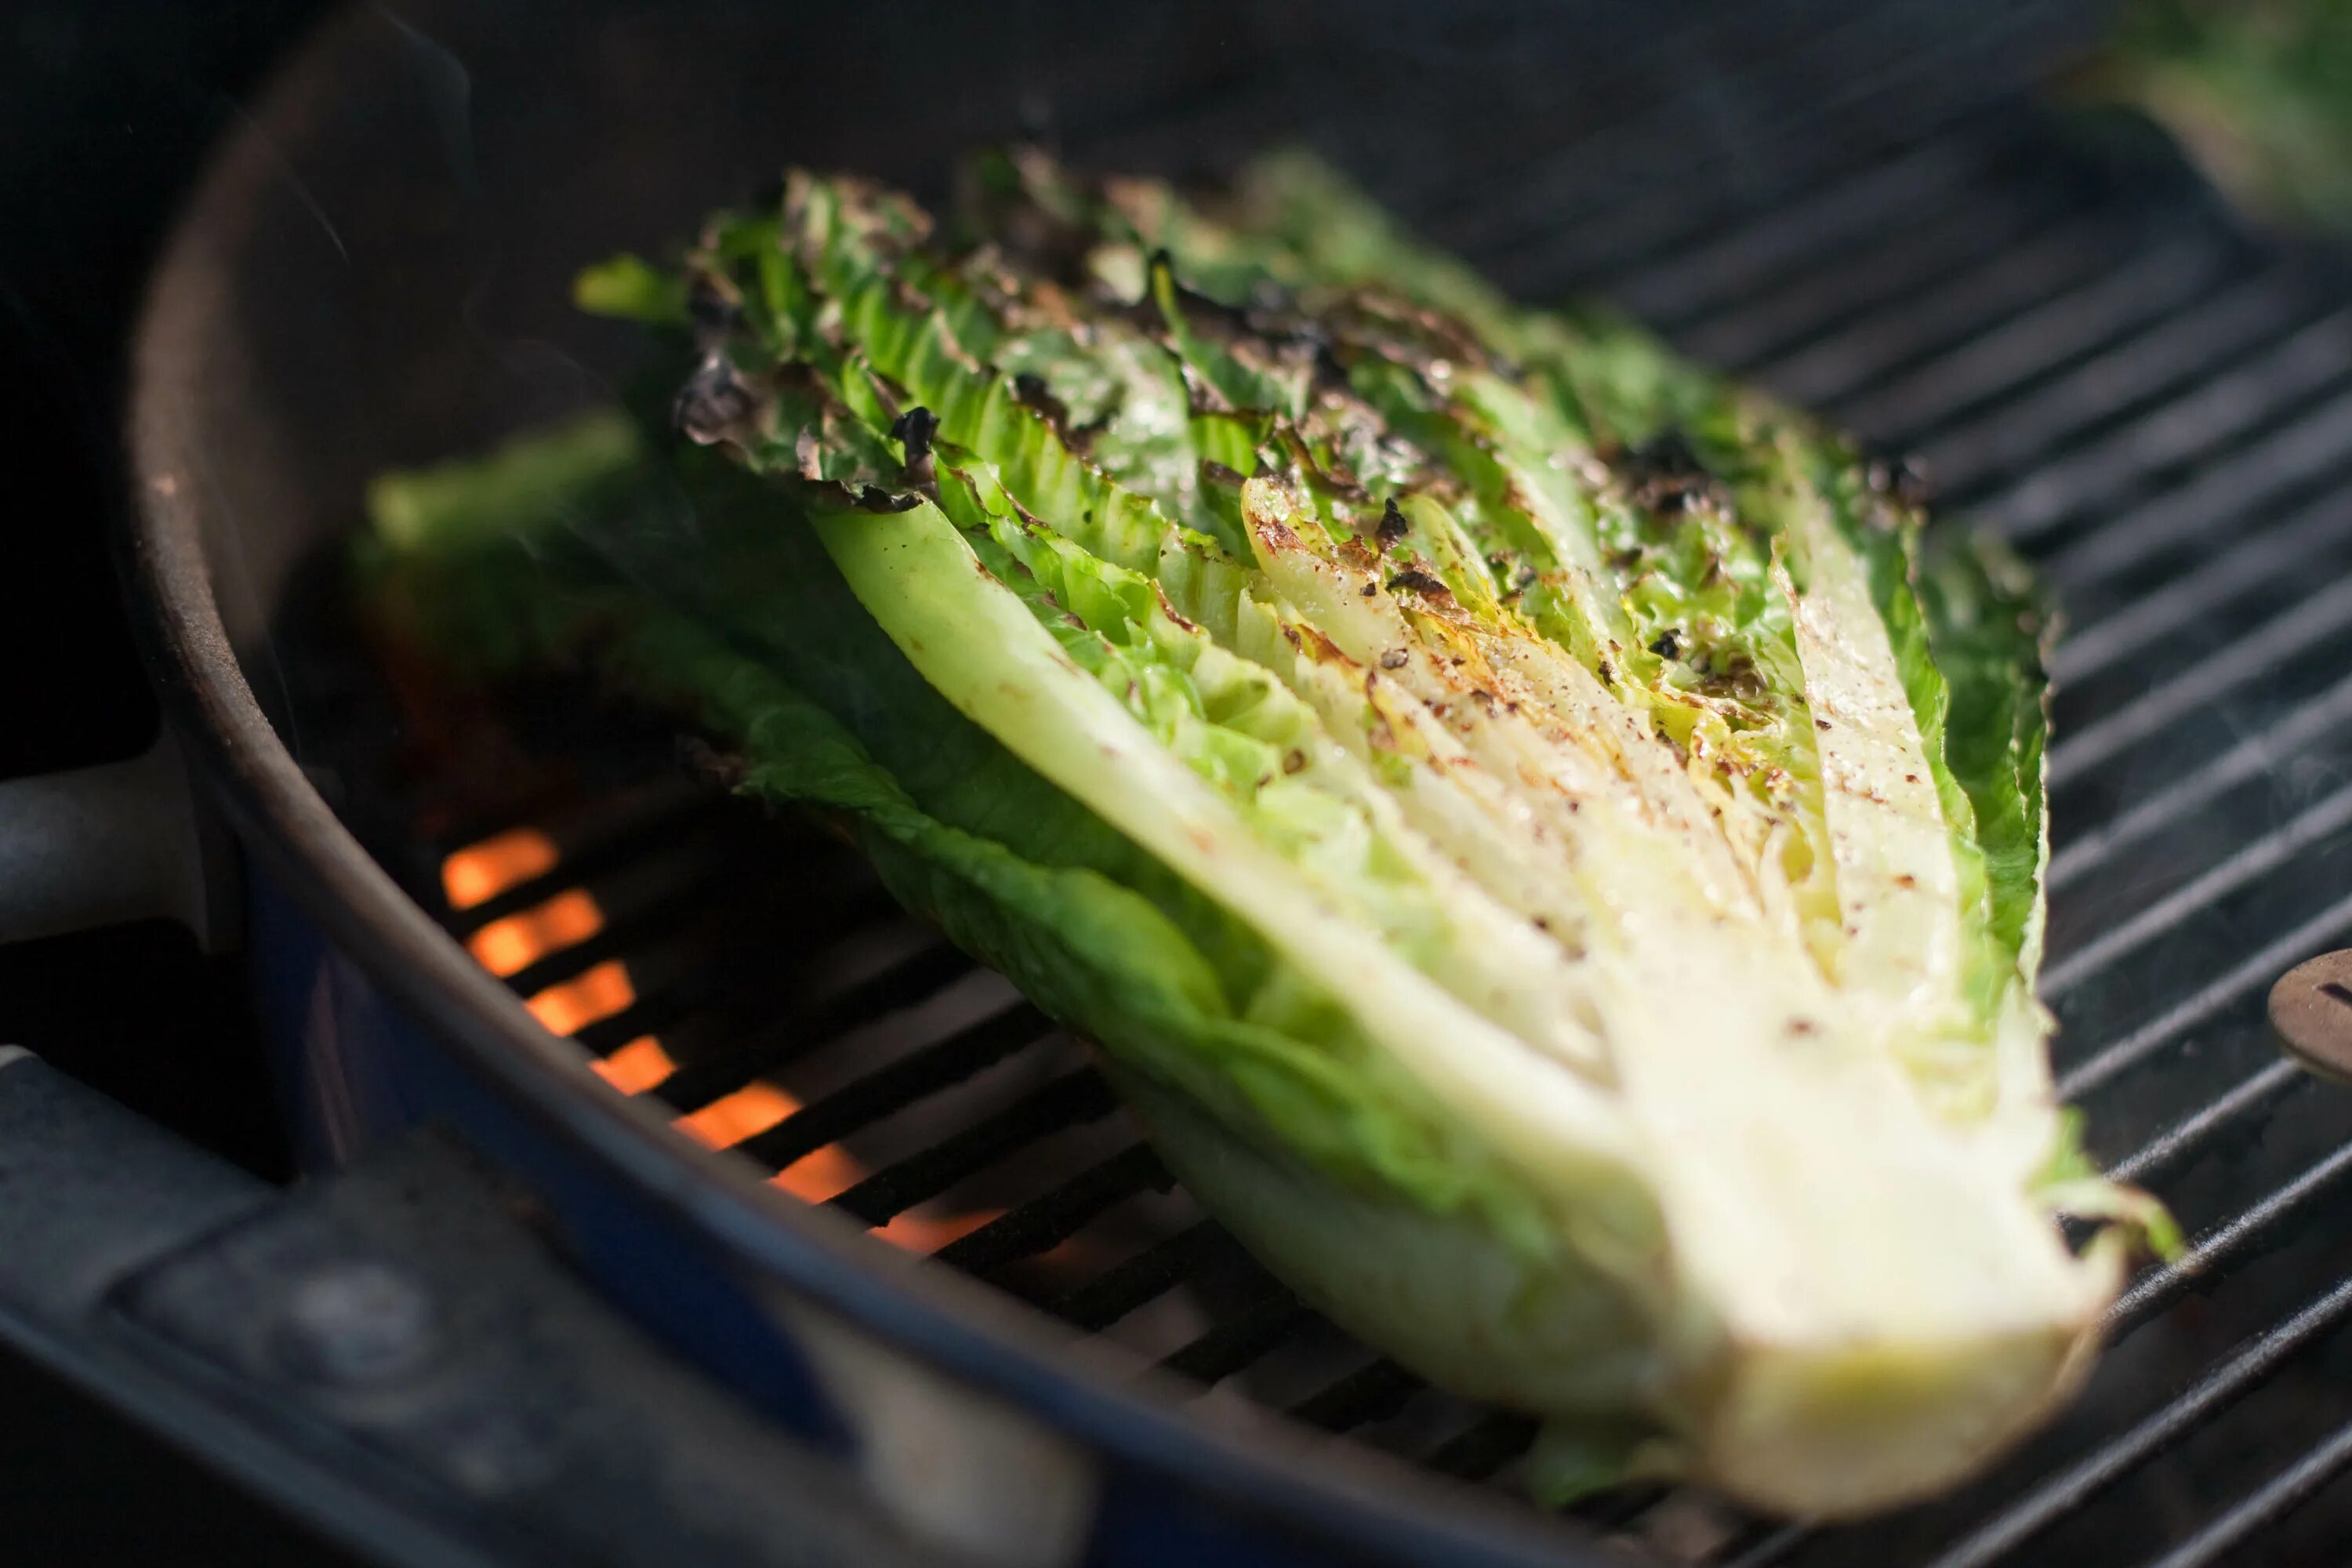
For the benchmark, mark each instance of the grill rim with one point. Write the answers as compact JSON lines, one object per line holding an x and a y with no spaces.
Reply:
{"x":1374,"y":1505}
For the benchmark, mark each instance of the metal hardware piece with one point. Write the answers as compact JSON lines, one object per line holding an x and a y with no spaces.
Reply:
{"x":2311,"y":1013}
{"x":105,"y":846}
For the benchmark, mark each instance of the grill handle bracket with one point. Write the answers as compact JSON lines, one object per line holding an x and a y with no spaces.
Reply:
{"x":112,"y":844}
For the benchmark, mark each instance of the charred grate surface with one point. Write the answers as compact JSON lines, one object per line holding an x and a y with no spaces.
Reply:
{"x":1870,"y":213}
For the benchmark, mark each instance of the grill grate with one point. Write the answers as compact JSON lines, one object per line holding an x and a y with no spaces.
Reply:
{"x":2095,"y":361}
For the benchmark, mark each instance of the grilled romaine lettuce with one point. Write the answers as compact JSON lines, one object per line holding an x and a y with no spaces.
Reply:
{"x":1552,"y":860}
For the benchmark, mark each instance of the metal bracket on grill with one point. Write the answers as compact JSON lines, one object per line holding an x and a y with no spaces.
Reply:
{"x":122,"y":841}
{"x":2310,"y":1013}
{"x":392,"y":1354}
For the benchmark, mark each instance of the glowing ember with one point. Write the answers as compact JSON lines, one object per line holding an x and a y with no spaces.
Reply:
{"x":506,"y":946}
{"x":750,"y":1110}
{"x":573,"y":1005}
{"x":731,"y":1118}
{"x":637,"y":1066}
{"x":822,"y":1173}
{"x":914,"y":1232}
{"x":482,"y":871}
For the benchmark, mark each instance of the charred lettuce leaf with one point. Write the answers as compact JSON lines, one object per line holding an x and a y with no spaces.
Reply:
{"x":1550,"y":854}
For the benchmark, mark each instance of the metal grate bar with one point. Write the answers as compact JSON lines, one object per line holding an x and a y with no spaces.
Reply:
{"x":1146,"y":1276}
{"x":1787,"y":235}
{"x":2248,"y":759}
{"x":676,"y":825}
{"x":1906,"y":329}
{"x":1373,"y":1392}
{"x":2249,"y":974}
{"x":1241,"y":1340}
{"x":2276,"y":1498}
{"x":1045,"y":1222}
{"x":706,"y":902}
{"x":578,"y":828}
{"x":1076,"y":1097}
{"x":1974,"y":453}
{"x":2298,"y":545}
{"x":893,"y":1088}
{"x":1484,"y":1446}
{"x":648,"y":1014}
{"x":1776,"y":322}
{"x":2311,"y":448}
{"x":729,"y":979}
{"x":2230,"y":1380}
{"x":1652,"y":143}
{"x":907,"y":978}
{"x":1618,"y":245}
{"x":733,"y":976}
{"x":1492,"y":189}
{"x":2323,"y":614}
{"x":2182,"y":435}
{"x":1992,"y":361}
{"x":1774,"y":1547}
{"x":2227,"y":1245}
{"x":1913,"y":92}
{"x":2297,"y":837}
{"x":1623,"y":1504}
{"x":2194,"y":1134}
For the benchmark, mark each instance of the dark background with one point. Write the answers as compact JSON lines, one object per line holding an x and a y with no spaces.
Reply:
{"x":106,"y":111}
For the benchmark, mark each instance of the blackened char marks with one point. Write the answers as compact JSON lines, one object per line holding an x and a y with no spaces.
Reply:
{"x":1032,"y":392}
{"x":1665,"y":473}
{"x":714,"y":404}
{"x":1419,"y":582}
{"x":916,"y":428}
{"x":874,"y":498}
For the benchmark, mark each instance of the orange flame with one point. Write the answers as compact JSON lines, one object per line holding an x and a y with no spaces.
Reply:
{"x":637,"y":1066}
{"x":506,"y":946}
{"x":480,"y":872}
{"x":732,"y":1117}
{"x":597,"y":994}
{"x":512,"y":943}
{"x":820,"y":1175}
{"x":750,"y":1110}
{"x":916,"y":1232}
